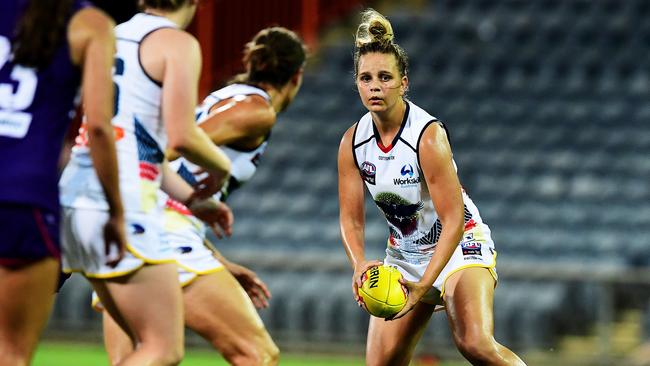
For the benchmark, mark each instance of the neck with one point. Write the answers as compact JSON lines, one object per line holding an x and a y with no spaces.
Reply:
{"x":277,"y":96}
{"x":390,"y":119}
{"x":178,"y":16}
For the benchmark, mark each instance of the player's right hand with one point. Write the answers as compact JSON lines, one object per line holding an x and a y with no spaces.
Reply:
{"x":359,"y":270}
{"x":114,"y":240}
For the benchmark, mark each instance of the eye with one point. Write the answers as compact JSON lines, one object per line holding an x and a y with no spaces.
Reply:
{"x":385,"y":77}
{"x":364,"y":78}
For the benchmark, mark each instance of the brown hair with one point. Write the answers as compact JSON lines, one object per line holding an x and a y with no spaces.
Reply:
{"x":169,"y":5}
{"x":375,"y":34}
{"x":273,"y":56}
{"x":40,"y":31}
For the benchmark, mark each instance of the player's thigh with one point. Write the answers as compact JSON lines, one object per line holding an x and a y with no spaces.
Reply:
{"x":219,"y":309}
{"x":469,"y":300}
{"x":148,"y":302}
{"x":391,"y":343}
{"x":27,"y":296}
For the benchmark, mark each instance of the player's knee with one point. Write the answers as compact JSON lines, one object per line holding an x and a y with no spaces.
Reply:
{"x":478,"y":347}
{"x":253,"y":354}
{"x":271,"y":354}
{"x":167,"y":356}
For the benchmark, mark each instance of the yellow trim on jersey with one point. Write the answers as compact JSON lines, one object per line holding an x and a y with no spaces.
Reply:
{"x":114,"y":274}
{"x":148,"y":191}
{"x":175,"y":221}
{"x":480,"y":265}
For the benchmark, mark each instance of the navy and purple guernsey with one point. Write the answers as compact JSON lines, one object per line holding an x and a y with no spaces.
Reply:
{"x":35,"y":111}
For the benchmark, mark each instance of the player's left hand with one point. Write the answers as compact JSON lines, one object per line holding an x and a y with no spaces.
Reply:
{"x":253,"y":285}
{"x":217,"y":215}
{"x":415,"y":292}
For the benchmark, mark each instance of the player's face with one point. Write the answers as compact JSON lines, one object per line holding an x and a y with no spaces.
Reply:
{"x":379,"y":82}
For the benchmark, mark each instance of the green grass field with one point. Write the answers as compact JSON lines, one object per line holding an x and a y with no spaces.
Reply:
{"x":75,"y":354}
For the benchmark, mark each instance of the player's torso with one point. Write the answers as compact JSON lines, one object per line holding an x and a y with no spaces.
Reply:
{"x":139,"y":130}
{"x":394,"y":178}
{"x":35,"y":110}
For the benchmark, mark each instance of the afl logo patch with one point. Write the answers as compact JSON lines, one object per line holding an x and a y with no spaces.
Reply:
{"x":368,"y":172}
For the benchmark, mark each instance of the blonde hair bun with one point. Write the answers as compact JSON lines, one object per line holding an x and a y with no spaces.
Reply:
{"x":374,"y":27}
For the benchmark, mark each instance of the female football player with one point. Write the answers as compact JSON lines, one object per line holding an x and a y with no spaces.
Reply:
{"x":239,"y":118}
{"x":47,"y":49}
{"x":156,"y":80}
{"x":437,"y":238}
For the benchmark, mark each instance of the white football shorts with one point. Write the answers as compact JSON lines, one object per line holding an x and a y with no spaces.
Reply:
{"x":83,"y":243}
{"x":186,"y":235}
{"x":475,"y":250}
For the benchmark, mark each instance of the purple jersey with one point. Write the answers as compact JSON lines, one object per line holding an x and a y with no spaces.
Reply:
{"x":35,"y":111}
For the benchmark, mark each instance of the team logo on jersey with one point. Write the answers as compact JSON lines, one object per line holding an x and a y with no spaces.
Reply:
{"x":368,"y":172}
{"x":407,"y":174}
{"x":184,"y":249}
{"x":401,"y":213}
{"x":407,"y":170}
{"x":471,"y":248}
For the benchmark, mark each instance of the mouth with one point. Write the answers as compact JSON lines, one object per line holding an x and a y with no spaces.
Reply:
{"x":375,"y":100}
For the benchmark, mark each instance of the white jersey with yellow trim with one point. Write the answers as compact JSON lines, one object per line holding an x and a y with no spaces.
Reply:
{"x":394,"y":178}
{"x":139,"y":130}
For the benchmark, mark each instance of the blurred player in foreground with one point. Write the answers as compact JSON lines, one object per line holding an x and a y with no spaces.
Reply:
{"x":46,"y":50}
{"x":437,"y":238}
{"x":156,"y":71}
{"x":239,"y":119}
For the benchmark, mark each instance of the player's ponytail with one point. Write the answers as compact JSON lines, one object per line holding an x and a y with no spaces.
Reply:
{"x":273,"y":56}
{"x":374,"y":27}
{"x":40,"y":31}
{"x":375,"y":34}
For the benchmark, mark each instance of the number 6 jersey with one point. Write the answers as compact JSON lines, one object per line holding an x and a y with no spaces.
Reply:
{"x":139,"y":130}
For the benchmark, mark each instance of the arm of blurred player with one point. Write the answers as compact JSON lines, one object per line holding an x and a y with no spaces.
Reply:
{"x":92,"y":45}
{"x":215,"y":214}
{"x":248,"y":118}
{"x":352,"y":211}
{"x":252,"y":284}
{"x":444,"y":188}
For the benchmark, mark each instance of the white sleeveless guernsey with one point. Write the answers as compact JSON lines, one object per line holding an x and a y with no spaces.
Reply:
{"x":139,"y":129}
{"x":394,"y":178}
{"x":243,"y":162}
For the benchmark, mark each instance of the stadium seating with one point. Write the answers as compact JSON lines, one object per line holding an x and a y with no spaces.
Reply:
{"x":546,"y":103}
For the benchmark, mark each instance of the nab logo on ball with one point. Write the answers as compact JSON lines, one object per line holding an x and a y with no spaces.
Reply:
{"x":381,"y":293}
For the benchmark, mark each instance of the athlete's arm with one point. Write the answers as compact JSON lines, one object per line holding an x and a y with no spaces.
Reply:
{"x":180,"y":76}
{"x":215,"y":214}
{"x":256,"y":289}
{"x":444,"y":188}
{"x":352,"y":211}
{"x":235,"y":119}
{"x":92,"y":45}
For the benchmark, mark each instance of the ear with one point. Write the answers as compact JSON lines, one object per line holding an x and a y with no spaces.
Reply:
{"x":404,"y":87}
{"x":295,"y":79}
